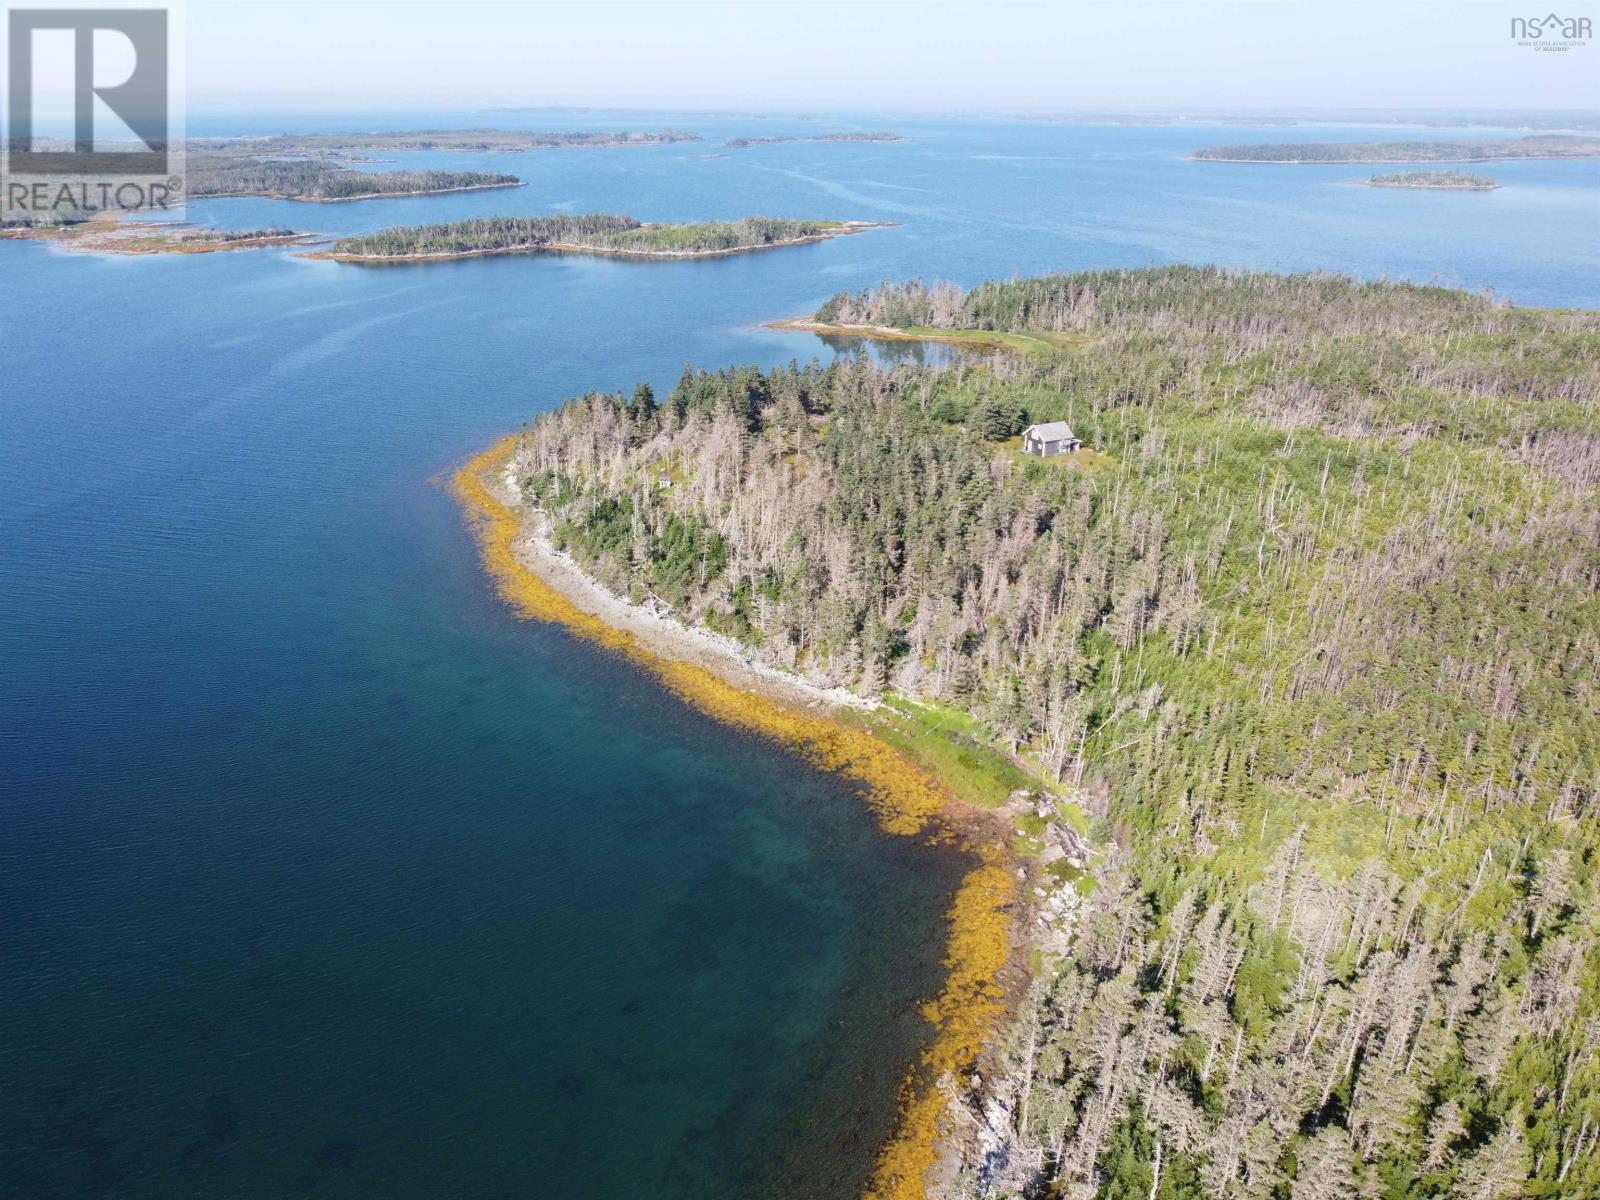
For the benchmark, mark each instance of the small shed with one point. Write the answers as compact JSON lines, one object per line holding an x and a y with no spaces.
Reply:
{"x":1049,"y":439}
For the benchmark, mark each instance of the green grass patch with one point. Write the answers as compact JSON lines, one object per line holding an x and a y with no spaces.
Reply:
{"x":952,"y":746}
{"x":1086,"y":459}
{"x":1067,"y":875}
{"x":1024,"y":343}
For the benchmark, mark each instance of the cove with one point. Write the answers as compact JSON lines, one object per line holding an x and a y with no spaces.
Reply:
{"x":324,"y":876}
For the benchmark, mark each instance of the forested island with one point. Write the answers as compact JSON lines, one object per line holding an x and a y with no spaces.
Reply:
{"x":1466,"y":150}
{"x":1455,"y":181}
{"x":1309,"y":649}
{"x":590,"y":233}
{"x":462,"y":140}
{"x":214,"y":175}
{"x":741,"y":142}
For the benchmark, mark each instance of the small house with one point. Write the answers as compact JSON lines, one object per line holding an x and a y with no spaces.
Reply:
{"x":1049,"y":439}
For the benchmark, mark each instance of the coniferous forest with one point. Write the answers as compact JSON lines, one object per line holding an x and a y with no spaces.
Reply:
{"x":593,"y":231}
{"x":1468,"y":181}
{"x":317,"y":179}
{"x":1307,"y":641}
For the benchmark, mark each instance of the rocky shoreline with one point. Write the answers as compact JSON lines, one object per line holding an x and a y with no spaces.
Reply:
{"x":995,"y":920}
{"x":111,"y":236}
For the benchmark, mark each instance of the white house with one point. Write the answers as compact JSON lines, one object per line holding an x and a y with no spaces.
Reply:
{"x":1049,"y":439}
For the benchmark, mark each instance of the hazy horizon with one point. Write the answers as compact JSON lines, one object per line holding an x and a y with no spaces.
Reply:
{"x":984,"y":58}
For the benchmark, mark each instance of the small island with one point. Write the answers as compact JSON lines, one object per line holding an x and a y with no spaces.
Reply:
{"x":740,"y":143}
{"x":590,"y":233}
{"x":316,"y":181}
{"x":1563,"y":146}
{"x":105,"y":234}
{"x":1447,"y":181}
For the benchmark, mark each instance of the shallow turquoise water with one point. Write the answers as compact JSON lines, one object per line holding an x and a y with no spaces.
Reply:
{"x":319,"y":875}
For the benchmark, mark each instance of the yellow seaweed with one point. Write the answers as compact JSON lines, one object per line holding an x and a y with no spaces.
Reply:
{"x":906,"y":800}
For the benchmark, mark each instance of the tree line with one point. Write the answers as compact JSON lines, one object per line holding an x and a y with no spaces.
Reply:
{"x":1315,"y":642}
{"x":315,"y":179}
{"x":602,"y":231}
{"x":1438,"y":179}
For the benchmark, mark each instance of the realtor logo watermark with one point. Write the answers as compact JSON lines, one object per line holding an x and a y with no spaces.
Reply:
{"x":93,"y":112}
{"x":1551,"y":32}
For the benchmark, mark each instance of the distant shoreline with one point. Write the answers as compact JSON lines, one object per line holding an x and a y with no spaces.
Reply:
{"x":1392,"y":152}
{"x":476,"y":187}
{"x":472,"y":141}
{"x":741,"y":143}
{"x":1389,"y":162}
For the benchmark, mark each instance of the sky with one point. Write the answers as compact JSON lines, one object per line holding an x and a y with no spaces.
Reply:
{"x":891,"y":54}
{"x":269,"y":56}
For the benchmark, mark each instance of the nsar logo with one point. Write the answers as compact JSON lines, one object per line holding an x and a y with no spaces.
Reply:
{"x":1551,"y":32}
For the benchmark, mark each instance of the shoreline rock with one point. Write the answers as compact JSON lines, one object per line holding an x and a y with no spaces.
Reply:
{"x":992,"y":915}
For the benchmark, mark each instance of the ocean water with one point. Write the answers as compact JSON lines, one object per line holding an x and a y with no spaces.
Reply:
{"x":322,"y":876}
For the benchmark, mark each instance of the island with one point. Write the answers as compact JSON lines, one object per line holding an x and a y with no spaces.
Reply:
{"x":741,"y":142}
{"x":317,"y":180}
{"x":104,"y":233}
{"x":590,"y":233}
{"x":313,"y":180}
{"x":1467,"y":150}
{"x":1297,"y":864}
{"x":499,"y":141}
{"x":1450,"y":181}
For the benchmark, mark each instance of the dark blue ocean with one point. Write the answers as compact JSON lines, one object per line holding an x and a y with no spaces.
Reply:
{"x":322,"y":876}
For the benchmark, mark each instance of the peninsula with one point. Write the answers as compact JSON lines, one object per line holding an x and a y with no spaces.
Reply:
{"x":591,"y":233}
{"x":1473,"y":150}
{"x":1450,"y":181}
{"x":1341,"y":929}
